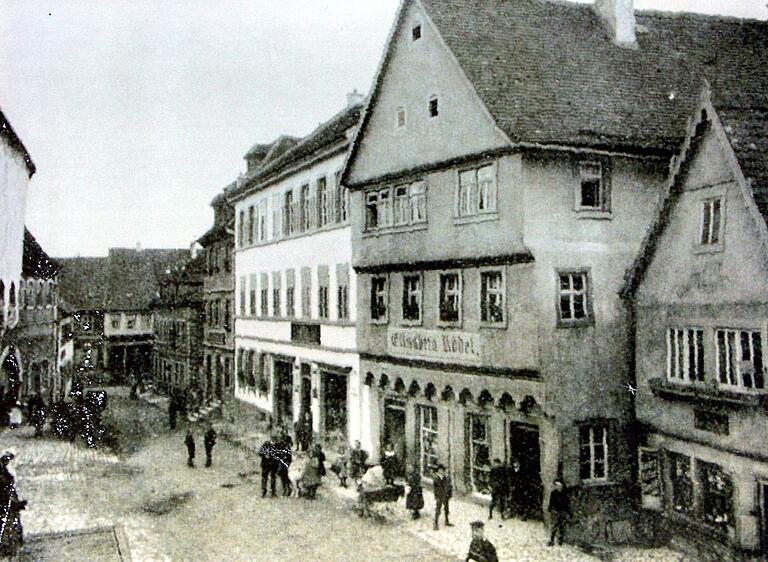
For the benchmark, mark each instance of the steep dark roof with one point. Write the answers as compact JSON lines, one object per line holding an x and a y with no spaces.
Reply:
{"x":224,"y":214}
{"x":549,"y":73}
{"x":36,"y":263}
{"x":747,"y":132}
{"x":10,"y":136}
{"x":125,"y":280}
{"x":327,"y":134}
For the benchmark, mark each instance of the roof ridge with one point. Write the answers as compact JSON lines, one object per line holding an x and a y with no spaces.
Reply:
{"x":698,"y":15}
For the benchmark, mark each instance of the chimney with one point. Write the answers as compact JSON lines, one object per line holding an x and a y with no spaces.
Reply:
{"x":619,"y":16}
{"x":138,"y":246}
{"x":354,"y":98}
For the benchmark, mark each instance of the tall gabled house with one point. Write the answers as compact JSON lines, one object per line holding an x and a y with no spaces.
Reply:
{"x":503,"y":177}
{"x":698,"y":290}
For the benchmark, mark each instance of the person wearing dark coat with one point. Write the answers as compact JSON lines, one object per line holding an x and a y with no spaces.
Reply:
{"x":559,"y":512}
{"x":518,"y":491}
{"x":189,"y":441}
{"x":317,"y":453}
{"x":499,"y":482}
{"x":269,"y":463}
{"x":481,"y":549}
{"x":414,"y":501}
{"x":389,"y":464}
{"x":284,"y":457}
{"x":303,"y":430}
{"x":358,"y":461}
{"x":443,"y":491}
{"x":209,"y":440}
{"x":11,"y":530}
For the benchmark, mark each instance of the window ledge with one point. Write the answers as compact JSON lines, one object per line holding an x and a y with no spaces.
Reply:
{"x":706,"y":394}
{"x":708,"y":248}
{"x":375,"y":232}
{"x":472,"y":219}
{"x":593,"y":214}
{"x":582,"y":323}
{"x":598,"y":483}
{"x":493,"y":326}
{"x":449,"y":325}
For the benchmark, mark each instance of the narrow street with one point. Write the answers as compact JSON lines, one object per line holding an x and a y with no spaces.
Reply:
{"x":172,"y":512}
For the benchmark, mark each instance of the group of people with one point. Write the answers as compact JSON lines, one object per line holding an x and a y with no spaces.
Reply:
{"x":510,"y":490}
{"x":277,"y":455}
{"x":209,"y":440}
{"x":31,"y":409}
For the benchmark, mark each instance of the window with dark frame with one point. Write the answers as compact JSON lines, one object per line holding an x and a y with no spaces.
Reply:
{"x":322,"y":300}
{"x":412,"y":298}
{"x":416,"y":32}
{"x":716,"y":500}
{"x":264,"y":300}
{"x":681,"y":477}
{"x":740,"y":359}
{"x":379,"y":298}
{"x":290,"y":301}
{"x":276,"y":302}
{"x":342,"y":302}
{"x":593,"y":191}
{"x":251,"y":224}
{"x":573,"y":293}
{"x":450,"y":298}
{"x":242,"y":296}
{"x":288,"y":214}
{"x":323,"y":210}
{"x":711,"y":222}
{"x":476,"y":194}
{"x":492,"y":297}
{"x":685,"y":354}
{"x":254,"y":303}
{"x":593,"y":452}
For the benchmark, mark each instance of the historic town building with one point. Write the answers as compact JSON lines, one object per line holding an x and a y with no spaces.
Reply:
{"x":36,"y":334}
{"x":178,"y":327}
{"x":219,"y":303}
{"x":699,"y":289}
{"x":500,"y":190}
{"x":295,"y":288}
{"x":16,"y":170}
{"x":110,"y":302}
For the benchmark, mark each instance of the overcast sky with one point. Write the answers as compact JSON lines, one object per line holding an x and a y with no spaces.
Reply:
{"x":137,"y":113}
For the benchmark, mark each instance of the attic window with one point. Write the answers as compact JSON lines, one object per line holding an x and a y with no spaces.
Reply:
{"x":711,"y":222}
{"x":433,"y":107}
{"x":400,"y":117}
{"x":416,"y":32}
{"x":593,"y":188}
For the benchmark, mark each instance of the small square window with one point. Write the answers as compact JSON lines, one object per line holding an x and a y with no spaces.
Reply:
{"x":416,"y":32}
{"x":434,"y":109}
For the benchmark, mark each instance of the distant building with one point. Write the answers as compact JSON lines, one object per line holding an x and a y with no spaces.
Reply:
{"x":503,"y":177}
{"x":37,"y":331}
{"x":295,"y":288}
{"x":700,"y":294}
{"x":178,"y":326}
{"x":110,"y":302}
{"x":16,"y":170}
{"x":219,"y":303}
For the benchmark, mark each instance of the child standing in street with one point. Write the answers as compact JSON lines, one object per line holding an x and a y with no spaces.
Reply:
{"x":443,"y":490}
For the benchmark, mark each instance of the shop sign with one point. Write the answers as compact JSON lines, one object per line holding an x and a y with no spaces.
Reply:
{"x":460,"y":347}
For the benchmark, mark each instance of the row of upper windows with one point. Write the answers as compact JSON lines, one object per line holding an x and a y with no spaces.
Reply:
{"x":31,"y":293}
{"x":476,"y":195}
{"x":132,"y":321}
{"x":218,"y":258}
{"x":574,"y":307}
{"x":264,"y":306}
{"x":738,"y":357}
{"x":295,"y":211}
{"x":219,"y":313}
{"x":172,"y":331}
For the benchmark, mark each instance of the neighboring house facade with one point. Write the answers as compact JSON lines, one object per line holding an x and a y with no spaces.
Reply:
{"x":219,"y":303}
{"x":110,"y":300}
{"x":37,"y":331}
{"x":17,"y":169}
{"x":295,"y":288}
{"x":699,"y":289}
{"x":178,"y":326}
{"x":494,"y":215}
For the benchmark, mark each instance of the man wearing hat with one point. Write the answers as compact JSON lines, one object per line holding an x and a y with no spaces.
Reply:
{"x":11,"y":531}
{"x":443,"y":491}
{"x":480,"y":549}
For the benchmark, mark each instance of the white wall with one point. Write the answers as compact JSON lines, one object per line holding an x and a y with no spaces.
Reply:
{"x":14,"y":182}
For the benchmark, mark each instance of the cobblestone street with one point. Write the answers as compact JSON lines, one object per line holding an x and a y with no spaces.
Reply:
{"x":168,"y":511}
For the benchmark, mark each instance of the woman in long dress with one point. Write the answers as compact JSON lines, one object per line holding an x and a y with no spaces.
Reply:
{"x":11,"y":531}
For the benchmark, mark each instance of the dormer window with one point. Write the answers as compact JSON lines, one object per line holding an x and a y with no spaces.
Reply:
{"x":400,"y":118}
{"x":416,"y":32}
{"x":434,"y":109}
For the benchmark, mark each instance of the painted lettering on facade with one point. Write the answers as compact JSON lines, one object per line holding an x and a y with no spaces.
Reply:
{"x":432,"y":344}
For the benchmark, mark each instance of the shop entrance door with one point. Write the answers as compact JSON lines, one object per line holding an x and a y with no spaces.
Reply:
{"x":524,"y":447}
{"x":394,"y":431}
{"x":284,"y":394}
{"x":335,"y":404}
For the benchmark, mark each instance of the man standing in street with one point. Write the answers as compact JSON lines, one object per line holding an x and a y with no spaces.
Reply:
{"x":209,"y":440}
{"x":481,"y":549}
{"x":268,"y":465}
{"x":518,"y":491}
{"x":443,"y":490}
{"x":189,"y":441}
{"x":559,"y":512}
{"x":11,"y":531}
{"x":499,"y":481}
